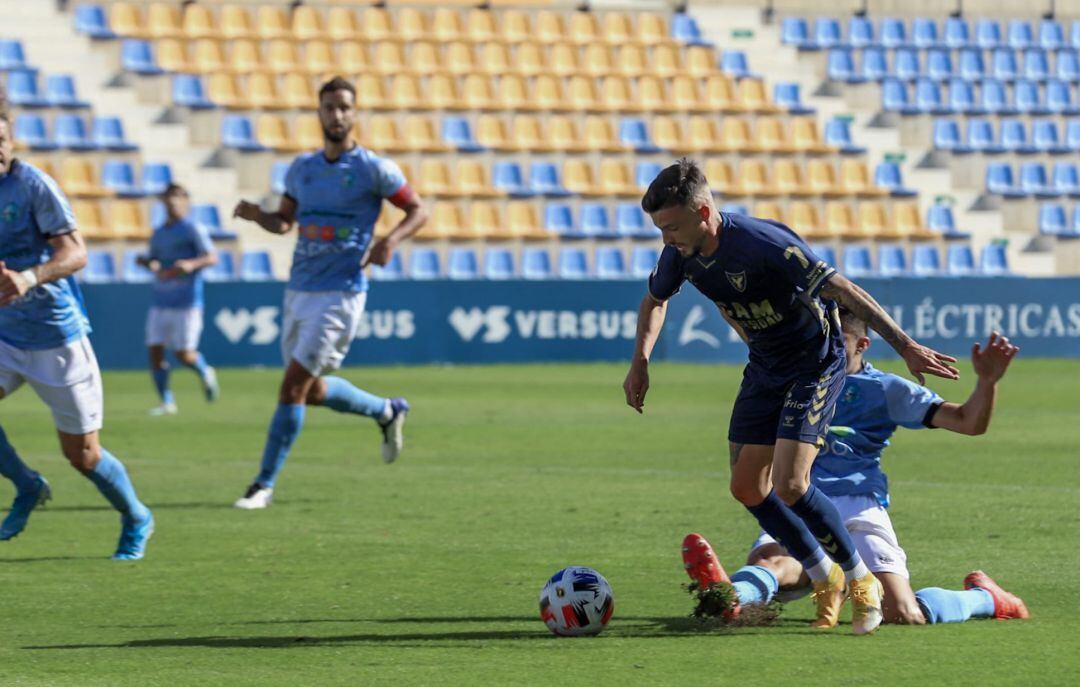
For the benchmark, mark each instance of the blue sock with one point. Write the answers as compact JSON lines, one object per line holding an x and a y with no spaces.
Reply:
{"x":343,"y":397}
{"x":284,"y":428}
{"x":824,"y":521}
{"x":948,"y":606}
{"x":113,"y":482}
{"x":161,"y":382}
{"x":789,"y":531}
{"x":754,"y":584}
{"x":199,"y":365}
{"x":12,"y":467}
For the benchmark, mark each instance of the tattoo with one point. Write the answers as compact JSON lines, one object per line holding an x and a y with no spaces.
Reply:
{"x":736,"y":449}
{"x":851,"y":296}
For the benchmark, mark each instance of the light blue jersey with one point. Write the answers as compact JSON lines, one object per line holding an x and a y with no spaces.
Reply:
{"x":179,"y":240}
{"x":873,"y":404}
{"x":33,"y":210}
{"x":337,"y":205}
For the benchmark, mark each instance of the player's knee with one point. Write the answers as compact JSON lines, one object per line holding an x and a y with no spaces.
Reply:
{"x":186,"y":357}
{"x":317,"y":393}
{"x":748,"y":493}
{"x":791,"y":489}
{"x":83,"y":458}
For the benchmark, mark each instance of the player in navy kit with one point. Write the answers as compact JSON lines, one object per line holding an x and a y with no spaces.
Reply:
{"x":782,"y":300}
{"x":332,"y":198}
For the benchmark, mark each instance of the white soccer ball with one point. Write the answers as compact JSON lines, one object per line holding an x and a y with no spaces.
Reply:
{"x":576,"y":601}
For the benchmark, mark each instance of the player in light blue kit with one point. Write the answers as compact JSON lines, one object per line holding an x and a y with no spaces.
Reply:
{"x":333,"y":198}
{"x":179,"y":251}
{"x":872,"y":406}
{"x":43,"y":343}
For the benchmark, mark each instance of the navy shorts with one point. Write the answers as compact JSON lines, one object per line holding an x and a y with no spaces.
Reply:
{"x":798,"y":405}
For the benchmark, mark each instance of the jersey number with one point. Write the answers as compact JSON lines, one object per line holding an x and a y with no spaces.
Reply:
{"x":797,"y":252}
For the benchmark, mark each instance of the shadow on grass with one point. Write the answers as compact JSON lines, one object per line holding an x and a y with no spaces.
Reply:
{"x":189,"y":505}
{"x":40,"y":559}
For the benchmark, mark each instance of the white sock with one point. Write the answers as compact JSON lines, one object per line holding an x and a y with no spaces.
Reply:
{"x":820,"y":572}
{"x":860,"y":570}
{"x":387,"y":413}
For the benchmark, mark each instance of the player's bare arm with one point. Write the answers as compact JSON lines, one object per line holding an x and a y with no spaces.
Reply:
{"x":416,"y":215}
{"x":651,"y":315}
{"x":281,"y":222}
{"x":919,"y":359}
{"x":68,"y":257}
{"x":736,"y":326}
{"x":973,"y":416}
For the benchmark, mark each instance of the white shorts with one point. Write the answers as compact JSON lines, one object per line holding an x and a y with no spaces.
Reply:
{"x":177,"y":329}
{"x":67,"y":378}
{"x":319,"y":326}
{"x":872,"y":531}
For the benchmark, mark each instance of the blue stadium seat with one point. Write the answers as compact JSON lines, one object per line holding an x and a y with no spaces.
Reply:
{"x":826,"y":253}
{"x":156,"y":176}
{"x":893,"y":33}
{"x":22,"y":89}
{"x":906,"y":66}
{"x":987,"y":33}
{"x":100,"y":267}
{"x":138,"y":56}
{"x":12,"y":56}
{"x":507,"y":177}
{"x":1066,"y":179}
{"x":939,"y":218}
{"x":1020,"y":35}
{"x":1045,"y":137}
{"x":645,"y":172}
{"x":826,"y":32}
{"x":1075,"y":231}
{"x":462,"y":264}
{"x":1052,"y":219}
{"x":634,"y":133}
{"x":946,"y":135}
{"x":207,"y":216}
{"x":1051,"y":34}
{"x":734,"y":63}
{"x":924,"y":33}
{"x":91,"y":20}
{"x":1036,"y":65}
{"x":1059,"y":98}
{"x":457,"y":131}
{"x":980,"y":136}
{"x":840,"y":66}
{"x":559,"y":220}
{"x":255,"y":265}
{"x":939,"y":64}
{"x":498,"y":264}
{"x":391,"y":271}
{"x":1067,"y":67}
{"x":962,"y":97}
{"x":630,"y":222}
{"x":685,"y":29}
{"x":134,"y":273}
{"x":891,"y":260}
{"x":610,"y":263}
{"x":69,"y":131}
{"x":875,"y":65}
{"x":838,"y":134}
{"x":887,"y":175}
{"x":795,"y":31}
{"x":993,"y":260}
{"x":424,"y":264}
{"x":999,"y":180}
{"x":860,"y":32}
{"x":925,"y":260}
{"x":277,"y":176}
{"x":993,"y":98}
{"x":1034,"y":182}
{"x":928,"y":98}
{"x":573,"y":263}
{"x":1026,"y":98}
{"x":1014,"y":137}
{"x":60,"y":92}
{"x":119,"y":176}
{"x":857,"y":262}
{"x":535,"y":263}
{"x":1072,"y":135}
{"x":1074,"y":34}
{"x":109,"y":135}
{"x":188,"y":91}
{"x":222,"y":270}
{"x":972,"y":65}
{"x":960,"y":261}
{"x":1004,"y":64}
{"x":544,"y":180}
{"x":642,"y":261}
{"x":894,"y":97}
{"x":786,"y":95}
{"x":957,"y":33}
{"x":596,"y":222}
{"x":238,"y":133}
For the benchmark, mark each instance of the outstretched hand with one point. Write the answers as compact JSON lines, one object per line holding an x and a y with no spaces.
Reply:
{"x":922,"y":360}
{"x":637,"y":385}
{"x":991,"y":362}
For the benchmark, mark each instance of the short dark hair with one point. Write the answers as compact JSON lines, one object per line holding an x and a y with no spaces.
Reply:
{"x":175,"y":189}
{"x":850,"y":322}
{"x":337,"y":84}
{"x":678,"y":184}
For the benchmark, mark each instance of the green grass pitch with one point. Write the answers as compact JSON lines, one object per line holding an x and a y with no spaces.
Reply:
{"x":427,"y":571}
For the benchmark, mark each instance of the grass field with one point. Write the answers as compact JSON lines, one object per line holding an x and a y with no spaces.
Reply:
{"x":428,"y":571}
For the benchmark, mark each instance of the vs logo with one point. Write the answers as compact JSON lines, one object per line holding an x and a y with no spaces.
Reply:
{"x":261,"y":323}
{"x":468,"y":323}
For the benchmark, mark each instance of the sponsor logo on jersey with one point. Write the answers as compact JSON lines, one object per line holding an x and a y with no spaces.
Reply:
{"x":10,"y":213}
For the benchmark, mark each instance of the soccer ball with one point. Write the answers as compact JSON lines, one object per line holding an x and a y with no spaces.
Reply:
{"x":576,"y":601}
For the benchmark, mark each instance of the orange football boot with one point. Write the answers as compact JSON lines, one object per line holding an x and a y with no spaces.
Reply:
{"x":1006,"y":605}
{"x":704,"y":567}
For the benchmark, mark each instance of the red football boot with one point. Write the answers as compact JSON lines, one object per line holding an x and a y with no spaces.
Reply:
{"x":1006,"y":605}
{"x":704,"y":567}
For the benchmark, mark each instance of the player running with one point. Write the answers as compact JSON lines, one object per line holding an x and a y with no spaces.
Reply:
{"x":782,"y":300}
{"x":333,"y":196}
{"x":43,"y":342}
{"x":179,"y":251}
{"x":870,"y":409}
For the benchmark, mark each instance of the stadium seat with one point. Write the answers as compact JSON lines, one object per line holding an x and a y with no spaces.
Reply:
{"x":642,"y":261}
{"x":630,"y":222}
{"x":100,"y":267}
{"x":548,"y":27}
{"x":887,"y":175}
{"x":88,"y":219}
{"x":860,"y":31}
{"x":786,"y":96}
{"x":158,"y":214}
{"x":223,"y":270}
{"x":734,"y":63}
{"x":875,"y":66}
{"x":980,"y":136}
{"x":457,"y":132}
{"x":255,"y":265}
{"x":1072,"y":134}
{"x":999,"y":180}
{"x":928,"y":98}
{"x":795,"y":31}
{"x":838,"y":135}
{"x":939,"y":64}
{"x":893,"y":33}
{"x":544,"y":180}
{"x":1026,"y":98}
{"x":645,"y":172}
{"x":208,"y":217}
{"x":30,"y":132}
{"x":462,"y":264}
{"x":826,"y":32}
{"x":1053,"y":219}
{"x":924,"y":33}
{"x":906,"y":222}
{"x":424,"y":264}
{"x":634,"y":133}
{"x":1051,"y":34}
{"x":13,"y":56}
{"x":238,"y":133}
{"x":993,"y":260}
{"x":69,"y":131}
{"x":523,"y":222}
{"x":1059,"y":97}
{"x":826,"y":253}
{"x":1045,"y":138}
{"x":1066,"y":179}
{"x":579,"y":179}
{"x":1036,"y":65}
{"x":684,"y":29}
{"x":573,"y":263}
{"x":188,"y":91}
{"x":894,"y":97}
{"x":972,"y":66}
{"x":155,"y":177}
{"x":891,"y":260}
{"x":91,"y":21}
{"x":507,"y":177}
{"x":1067,"y":66}
{"x":1004,"y":64}
{"x":873,"y":222}
{"x":127,"y":220}
{"x":946,"y":135}
{"x":596,"y":222}
{"x":939,"y":218}
{"x":610,"y":263}
{"x":119,"y":177}
{"x":134,"y":273}
{"x":172,"y":55}
{"x":559,"y":220}
{"x":956,"y":33}
{"x":1013,"y":137}
{"x":906,"y":64}
{"x":22,"y":90}
{"x":498,"y":264}
{"x":962,"y":97}
{"x":615,"y":179}
{"x":109,"y":135}
{"x":987,"y":34}
{"x":394,"y":270}
{"x":138,"y":56}
{"x":960,"y":260}
{"x":1019,"y":34}
{"x":857,"y":262}
{"x":925,"y":260}
{"x":583,"y":29}
{"x":1033,"y":180}
{"x":78,"y":177}
{"x":535,"y":263}
{"x":840,"y":220}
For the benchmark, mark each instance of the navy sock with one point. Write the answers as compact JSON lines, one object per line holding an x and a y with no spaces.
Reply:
{"x":948,"y":606}
{"x":161,"y":383}
{"x":111,"y":479}
{"x":754,"y":584}
{"x":824,"y":521}
{"x":284,"y":428}
{"x":788,"y":530}
{"x":12,"y":467}
{"x":343,"y":397}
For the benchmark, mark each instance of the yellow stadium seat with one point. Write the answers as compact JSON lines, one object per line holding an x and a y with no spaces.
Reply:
{"x":446,"y":25}
{"x":306,"y":23}
{"x":79,"y":177}
{"x":307,"y":132}
{"x":125,"y":19}
{"x":516,"y":27}
{"x":529,"y":59}
{"x":666,"y":61}
{"x":702,"y":136}
{"x":617,"y":29}
{"x":788,"y":178}
{"x":770,"y":135}
{"x":222,"y":89}
{"x":459,"y":59}
{"x":441,"y":93}
{"x":341,"y":24}
{"x":424,"y":58}
{"x":735,"y":135}
{"x":420,"y":135}
{"x":528,"y":135}
{"x":297,"y":92}
{"x":411,"y":24}
{"x":447,"y":222}
{"x":720,"y":92}
{"x":494,"y":59}
{"x":208,"y":57}
{"x":435,"y":179}
{"x":473,"y":180}
{"x":631,"y":60}
{"x":405,"y":93}
{"x":651,"y":96}
{"x":549,"y":27}
{"x":855,"y":180}
{"x":476,"y":93}
{"x":523,"y":222}
{"x":480,"y":26}
{"x":172,"y":55}
{"x":199,"y":22}
{"x":652,"y":29}
{"x":721,"y":177}
{"x":485,"y":221}
{"x":244,"y":57}
{"x":667,"y":134}
{"x":616,"y":95}
{"x":583,"y":28}
{"x":806,"y":221}
{"x":700,"y":61}
{"x":597,"y":60}
{"x":513,"y":93}
{"x":907,"y":223}
{"x":281,"y":56}
{"x":88,"y":219}
{"x":352,"y":58}
{"x":371,"y":92}
{"x":563,"y":135}
{"x":577,"y":177}
{"x":564,"y":61}
{"x":751,"y":96}
{"x":616,"y":178}
{"x":491,"y":133}
{"x":375,"y":25}
{"x":581,"y":95}
{"x":547,"y":94}
{"x":753,"y":178}
{"x":600,"y":135}
{"x":236,"y":22}
{"x":686,"y":96}
{"x":805,"y":136}
{"x":767,"y":209}
{"x":261,"y":91}
{"x":380,"y":133}
{"x":840,"y":219}
{"x":319,"y":59}
{"x":389,"y":58}
{"x":163,"y":21}
{"x":127,"y":220}
{"x":821,"y":178}
{"x":390,"y":217}
{"x":42,"y":164}
{"x":873,"y":221}
{"x":272,"y":22}
{"x":271,"y":131}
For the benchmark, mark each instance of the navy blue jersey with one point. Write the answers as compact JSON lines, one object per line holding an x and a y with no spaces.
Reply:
{"x":765,"y":278}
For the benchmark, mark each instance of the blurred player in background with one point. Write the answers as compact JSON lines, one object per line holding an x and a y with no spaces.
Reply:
{"x":333,"y":198}
{"x":44,"y":343}
{"x":179,"y":251}
{"x":872,"y":406}
{"x":781,"y":299}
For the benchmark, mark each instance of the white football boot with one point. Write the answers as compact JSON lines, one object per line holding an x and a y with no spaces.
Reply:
{"x":256,"y":497}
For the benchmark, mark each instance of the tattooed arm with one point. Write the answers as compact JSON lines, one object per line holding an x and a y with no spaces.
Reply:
{"x":919,"y":358}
